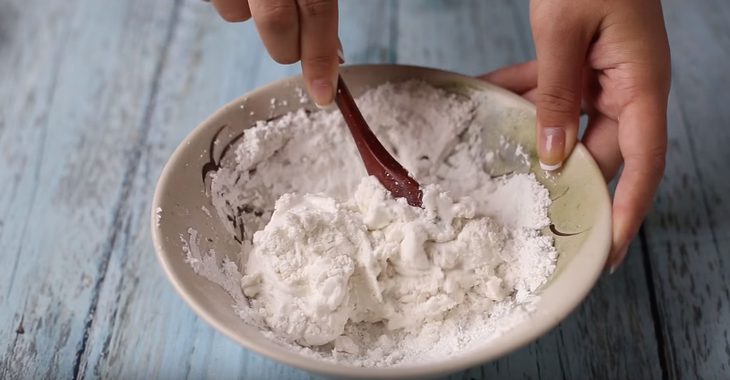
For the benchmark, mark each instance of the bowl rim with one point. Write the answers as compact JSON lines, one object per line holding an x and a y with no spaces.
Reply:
{"x":549,"y":319}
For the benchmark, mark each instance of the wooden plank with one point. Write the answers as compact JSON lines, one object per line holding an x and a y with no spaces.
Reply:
{"x":688,"y":234}
{"x":142,"y":329}
{"x":75,"y":77}
{"x":367,"y":31}
{"x":470,"y":37}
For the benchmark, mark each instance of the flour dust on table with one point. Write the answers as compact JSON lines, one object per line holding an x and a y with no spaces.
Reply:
{"x":334,"y":267}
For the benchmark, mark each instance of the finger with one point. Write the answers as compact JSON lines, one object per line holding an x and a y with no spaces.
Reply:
{"x":601,"y":139}
{"x":319,"y":48}
{"x":232,"y":10}
{"x":561,"y":54}
{"x":531,"y":95}
{"x":278,"y":24}
{"x":518,"y":78}
{"x":643,"y":141}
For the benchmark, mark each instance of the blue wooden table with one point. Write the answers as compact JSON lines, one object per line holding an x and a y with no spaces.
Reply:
{"x":95,"y":95}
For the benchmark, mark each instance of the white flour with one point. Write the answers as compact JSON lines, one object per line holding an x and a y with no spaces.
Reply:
{"x":341,"y":271}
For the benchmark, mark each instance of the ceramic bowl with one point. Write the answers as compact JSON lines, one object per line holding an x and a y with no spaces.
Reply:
{"x":580,"y":214}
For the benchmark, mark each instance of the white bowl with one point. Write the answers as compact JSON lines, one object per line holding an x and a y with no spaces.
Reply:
{"x":581,"y":216}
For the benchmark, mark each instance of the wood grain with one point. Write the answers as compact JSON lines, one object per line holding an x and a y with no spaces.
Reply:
{"x":688,"y":234}
{"x":140,"y":319}
{"x":612,"y":334}
{"x":76,"y":78}
{"x":94,"y":97}
{"x":471,"y":37}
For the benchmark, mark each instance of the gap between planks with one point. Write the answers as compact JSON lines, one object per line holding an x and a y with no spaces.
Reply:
{"x":127,"y":181}
{"x":665,"y":351}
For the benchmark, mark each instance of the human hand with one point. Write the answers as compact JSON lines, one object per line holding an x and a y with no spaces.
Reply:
{"x":296,"y":30}
{"x":611,"y":58}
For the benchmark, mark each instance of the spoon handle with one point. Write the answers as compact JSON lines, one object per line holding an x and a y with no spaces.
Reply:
{"x":378,"y":162}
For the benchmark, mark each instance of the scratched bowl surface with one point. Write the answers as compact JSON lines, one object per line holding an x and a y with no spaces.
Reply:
{"x":580,"y":214}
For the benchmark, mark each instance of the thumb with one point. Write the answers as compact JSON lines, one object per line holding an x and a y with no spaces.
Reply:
{"x":561,"y":48}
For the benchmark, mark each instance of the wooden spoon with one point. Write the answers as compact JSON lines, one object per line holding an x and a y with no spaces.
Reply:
{"x":378,"y":162}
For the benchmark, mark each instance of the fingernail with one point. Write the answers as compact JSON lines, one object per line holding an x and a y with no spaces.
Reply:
{"x":330,"y":107}
{"x":323,"y":92}
{"x":618,"y":259}
{"x":549,"y":168}
{"x":552,"y":148}
{"x":341,"y":55}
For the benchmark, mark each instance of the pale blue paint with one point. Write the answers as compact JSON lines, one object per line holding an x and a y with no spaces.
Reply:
{"x":94,"y":97}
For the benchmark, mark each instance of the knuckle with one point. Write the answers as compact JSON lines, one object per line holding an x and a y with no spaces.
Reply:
{"x":544,"y":13}
{"x":320,"y":62}
{"x":645,"y":84}
{"x":277,"y":16}
{"x":651,"y":161}
{"x":558,"y":100}
{"x":315,"y":8}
